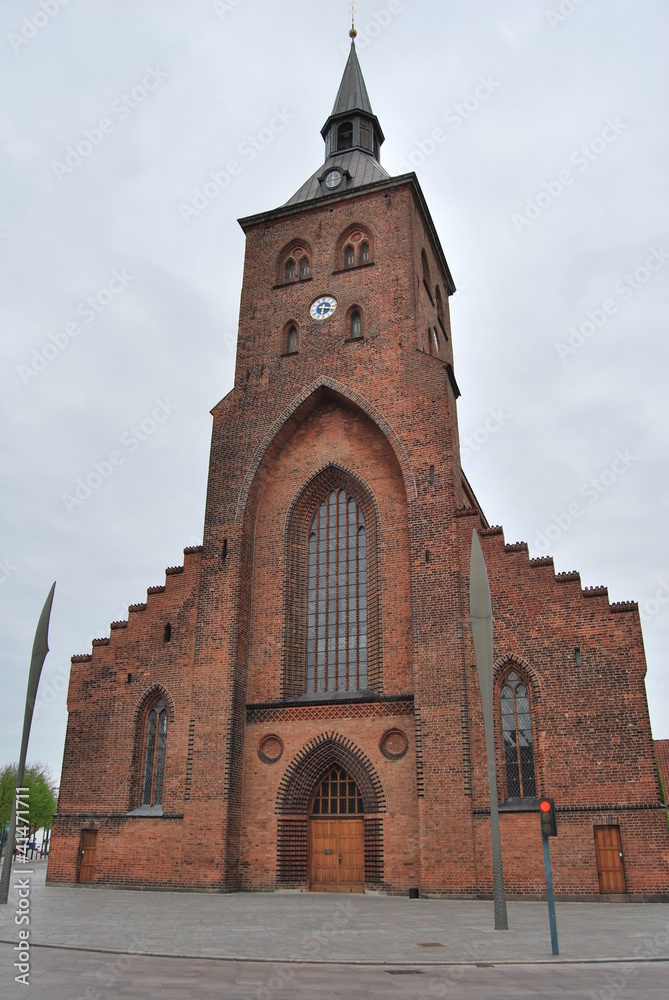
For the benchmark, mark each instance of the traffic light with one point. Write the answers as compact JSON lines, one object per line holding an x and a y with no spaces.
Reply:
{"x":548,"y":818}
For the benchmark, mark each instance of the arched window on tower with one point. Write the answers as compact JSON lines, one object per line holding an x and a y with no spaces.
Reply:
{"x":355,"y":247}
{"x":154,"y":761}
{"x":441,"y":315}
{"x":294,"y":262}
{"x":355,"y":324}
{"x":426,"y":275}
{"x":337,"y":597}
{"x":291,"y":340}
{"x":517,"y":732}
{"x":345,"y":136}
{"x":425,"y":266}
{"x":435,"y":341}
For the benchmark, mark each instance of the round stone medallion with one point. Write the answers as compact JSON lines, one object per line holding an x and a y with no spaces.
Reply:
{"x":394,"y":744}
{"x":270,"y":749}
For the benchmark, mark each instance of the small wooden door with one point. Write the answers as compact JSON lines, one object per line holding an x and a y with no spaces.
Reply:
{"x":337,"y":855}
{"x":87,"y":855}
{"x":610,"y":859}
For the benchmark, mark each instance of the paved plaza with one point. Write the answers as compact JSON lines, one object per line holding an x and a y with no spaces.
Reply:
{"x":125,"y":943}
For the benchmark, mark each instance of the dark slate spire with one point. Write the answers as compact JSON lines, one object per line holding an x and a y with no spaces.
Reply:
{"x":352,"y":90}
{"x":353,"y":138}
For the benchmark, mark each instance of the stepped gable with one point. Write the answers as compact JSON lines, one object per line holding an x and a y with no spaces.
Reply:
{"x":562,"y":578}
{"x":152,"y":593}
{"x":625,"y":606}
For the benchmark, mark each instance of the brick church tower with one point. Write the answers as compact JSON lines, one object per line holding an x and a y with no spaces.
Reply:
{"x":297,"y":706}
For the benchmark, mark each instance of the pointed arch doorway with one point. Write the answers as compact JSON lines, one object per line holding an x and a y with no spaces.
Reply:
{"x":336,"y":835}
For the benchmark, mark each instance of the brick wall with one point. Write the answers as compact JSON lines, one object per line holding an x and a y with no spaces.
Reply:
{"x":378,"y":414}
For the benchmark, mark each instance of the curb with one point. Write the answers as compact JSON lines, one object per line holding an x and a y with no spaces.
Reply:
{"x":371,"y":963}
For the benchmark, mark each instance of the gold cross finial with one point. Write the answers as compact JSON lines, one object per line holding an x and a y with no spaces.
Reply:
{"x":353,"y":32}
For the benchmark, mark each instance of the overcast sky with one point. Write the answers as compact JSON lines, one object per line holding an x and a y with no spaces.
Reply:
{"x":538,"y":133}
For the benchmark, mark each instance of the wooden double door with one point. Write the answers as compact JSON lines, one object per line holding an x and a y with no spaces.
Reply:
{"x":337,"y":852}
{"x":337,"y":835}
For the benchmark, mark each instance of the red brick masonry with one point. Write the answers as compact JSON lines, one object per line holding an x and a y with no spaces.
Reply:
{"x":378,"y":415}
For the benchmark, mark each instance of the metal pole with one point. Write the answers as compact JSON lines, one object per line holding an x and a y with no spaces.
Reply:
{"x":549,"y":896}
{"x":40,"y":649}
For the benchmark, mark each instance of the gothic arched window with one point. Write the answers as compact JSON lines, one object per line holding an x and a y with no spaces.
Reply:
{"x":154,"y":762}
{"x":441,"y":315}
{"x":337,"y":795}
{"x":294,"y":262}
{"x":355,"y":247}
{"x":355,"y":324}
{"x":426,"y":267}
{"x":517,"y":731}
{"x":291,"y":340}
{"x":337,"y":597}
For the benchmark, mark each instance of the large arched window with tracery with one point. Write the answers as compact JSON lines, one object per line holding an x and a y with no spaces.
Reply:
{"x":337,"y":596}
{"x":517,"y":731}
{"x":332,"y":640}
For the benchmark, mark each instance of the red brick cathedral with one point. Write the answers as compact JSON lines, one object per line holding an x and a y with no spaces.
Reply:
{"x":297,"y":706}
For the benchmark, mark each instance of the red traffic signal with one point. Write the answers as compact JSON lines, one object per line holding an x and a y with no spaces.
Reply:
{"x":548,"y":818}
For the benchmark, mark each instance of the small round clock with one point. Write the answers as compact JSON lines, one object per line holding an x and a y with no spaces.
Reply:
{"x":323,"y":307}
{"x":333,"y":179}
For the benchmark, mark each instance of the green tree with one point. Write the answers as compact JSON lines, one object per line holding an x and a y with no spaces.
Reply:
{"x":41,"y":796}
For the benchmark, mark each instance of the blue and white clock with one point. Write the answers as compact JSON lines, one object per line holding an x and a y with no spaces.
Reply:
{"x":323,"y":307}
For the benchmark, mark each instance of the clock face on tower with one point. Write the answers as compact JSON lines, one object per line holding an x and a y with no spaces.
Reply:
{"x":323,"y":307}
{"x":334,"y":179}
